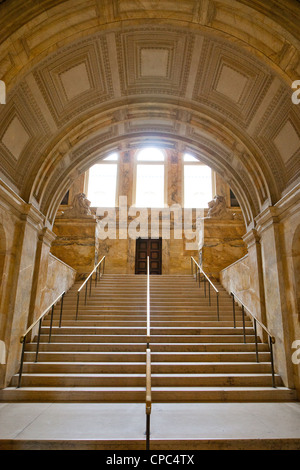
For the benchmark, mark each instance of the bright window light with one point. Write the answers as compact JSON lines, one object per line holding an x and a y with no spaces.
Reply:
{"x":189,"y":158}
{"x":197,"y":186}
{"x":150,"y":154}
{"x":102,"y":185}
{"x":150,"y":186}
{"x":111,"y":158}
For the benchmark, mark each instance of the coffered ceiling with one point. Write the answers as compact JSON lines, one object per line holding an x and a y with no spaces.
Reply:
{"x":136,"y":77}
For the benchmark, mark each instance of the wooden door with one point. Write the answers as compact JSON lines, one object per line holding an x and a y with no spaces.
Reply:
{"x":148,"y":247}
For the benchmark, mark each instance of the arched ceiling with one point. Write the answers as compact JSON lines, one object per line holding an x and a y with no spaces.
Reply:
{"x":210,"y":76}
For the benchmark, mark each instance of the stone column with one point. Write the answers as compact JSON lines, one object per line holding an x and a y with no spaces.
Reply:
{"x":45,"y":240}
{"x":22,"y":223}
{"x":268,"y":228}
{"x":256,"y":294}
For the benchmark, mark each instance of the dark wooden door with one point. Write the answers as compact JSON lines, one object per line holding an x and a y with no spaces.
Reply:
{"x":148,"y":247}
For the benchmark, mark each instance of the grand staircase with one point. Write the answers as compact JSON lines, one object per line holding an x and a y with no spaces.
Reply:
{"x":101,"y":356}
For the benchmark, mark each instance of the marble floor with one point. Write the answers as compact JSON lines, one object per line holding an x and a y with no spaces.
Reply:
{"x":41,"y":422}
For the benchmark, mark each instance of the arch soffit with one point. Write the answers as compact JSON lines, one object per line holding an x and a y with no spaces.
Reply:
{"x":214,"y":145}
{"x":268,"y":30}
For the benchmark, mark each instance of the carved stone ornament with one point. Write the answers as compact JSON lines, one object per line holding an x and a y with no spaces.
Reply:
{"x":80,"y":208}
{"x":217,"y":209}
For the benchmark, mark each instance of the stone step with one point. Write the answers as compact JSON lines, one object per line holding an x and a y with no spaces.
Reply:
{"x":97,"y":338}
{"x":137,"y":394}
{"x":156,"y":356}
{"x":201,"y":317}
{"x":142,"y":323}
{"x":101,"y":356}
{"x":112,"y":378}
{"x":211,"y":348}
{"x":101,"y":330}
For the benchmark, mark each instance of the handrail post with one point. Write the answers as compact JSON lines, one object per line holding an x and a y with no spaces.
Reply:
{"x":61,"y":309}
{"x":233,"y":310}
{"x":38,"y":340}
{"x":77,"y":306}
{"x":85,"y":293}
{"x":272,"y":361}
{"x":51,"y":322}
{"x":218,"y":307}
{"x":244,"y":331}
{"x":21,"y":363}
{"x":148,"y":397}
{"x":148,"y":362}
{"x":256,"y":347}
{"x":147,"y":430}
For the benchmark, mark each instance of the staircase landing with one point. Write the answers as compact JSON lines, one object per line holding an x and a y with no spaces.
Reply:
{"x":186,"y":426}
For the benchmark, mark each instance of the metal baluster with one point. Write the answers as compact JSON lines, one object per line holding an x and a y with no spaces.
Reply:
{"x":85,"y":293}
{"x":233,"y":311}
{"x":51,"y":321}
{"x":272,"y":361}
{"x":256,"y":346}
{"x":244,"y":331}
{"x":209,"y":293}
{"x":218,"y":309}
{"x":148,"y":431}
{"x":38,"y":341}
{"x":78,"y":295}
{"x":22,"y":361}
{"x":61,"y":309}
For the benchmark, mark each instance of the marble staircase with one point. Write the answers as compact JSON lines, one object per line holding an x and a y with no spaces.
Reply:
{"x":100,"y":357}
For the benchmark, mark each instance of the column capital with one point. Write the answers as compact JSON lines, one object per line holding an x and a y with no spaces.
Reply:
{"x":266,"y":219}
{"x":251,"y":237}
{"x":47,"y":236}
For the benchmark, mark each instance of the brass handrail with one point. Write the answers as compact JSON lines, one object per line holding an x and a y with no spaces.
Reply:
{"x":148,"y":362}
{"x":90,"y":278}
{"x":210,"y":283}
{"x":201,"y":270}
{"x":148,"y":397}
{"x":39,"y":320}
{"x":87,"y":279}
{"x":22,"y":338}
{"x":148,"y":301}
{"x":254,"y":317}
{"x":270,"y":336}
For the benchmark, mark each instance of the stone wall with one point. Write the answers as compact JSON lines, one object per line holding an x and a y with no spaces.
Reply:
{"x":60,"y":277}
{"x":267,"y":280}
{"x":220,"y":244}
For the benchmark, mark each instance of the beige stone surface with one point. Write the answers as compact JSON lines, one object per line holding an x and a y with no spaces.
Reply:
{"x":76,"y":243}
{"x":220,"y":244}
{"x":101,"y":76}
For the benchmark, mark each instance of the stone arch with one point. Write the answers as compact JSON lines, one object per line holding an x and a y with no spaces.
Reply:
{"x":2,"y":283}
{"x":212,"y":142}
{"x":296,"y":266}
{"x":2,"y":256}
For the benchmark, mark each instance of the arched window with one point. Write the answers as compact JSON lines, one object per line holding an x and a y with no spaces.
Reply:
{"x":197,"y":183}
{"x":102,"y":182}
{"x":150,"y":178}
